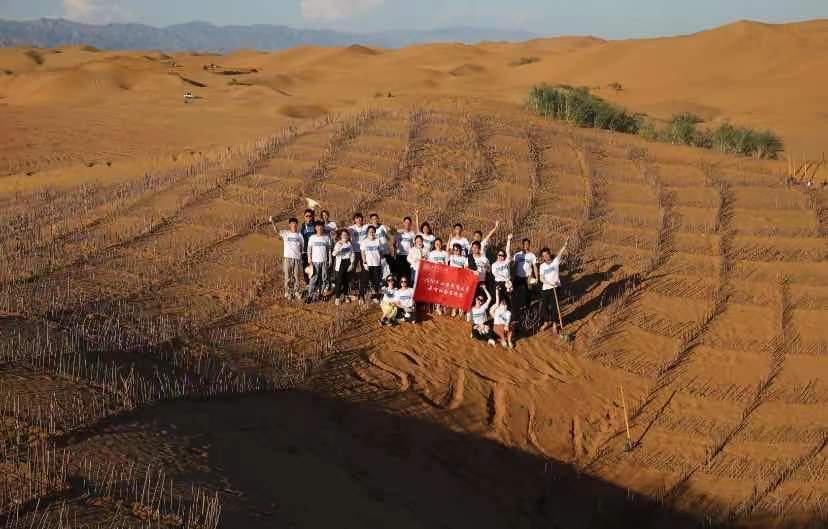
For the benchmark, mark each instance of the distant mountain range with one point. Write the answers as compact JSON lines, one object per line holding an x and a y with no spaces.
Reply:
{"x":203,"y":36}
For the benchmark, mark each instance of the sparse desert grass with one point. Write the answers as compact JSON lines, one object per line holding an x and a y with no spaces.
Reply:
{"x":90,"y":49}
{"x":522,"y":61}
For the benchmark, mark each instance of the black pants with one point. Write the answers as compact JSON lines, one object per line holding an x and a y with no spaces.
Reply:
{"x":343,"y":278}
{"x":520,"y":298}
{"x":375,"y":279}
{"x":401,"y":267}
{"x":483,"y":337}
{"x":549,"y":311}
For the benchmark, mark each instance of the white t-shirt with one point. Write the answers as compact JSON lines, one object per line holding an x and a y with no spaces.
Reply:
{"x":458,"y":261}
{"x":405,"y":297}
{"x":318,"y":248}
{"x":330,"y":227}
{"x":294,"y":244}
{"x":358,"y":234}
{"x":483,"y":266}
{"x":342,"y":251}
{"x":524,"y":262}
{"x":428,"y":241}
{"x":462,"y":241}
{"x":550,"y":274}
{"x":388,"y":294}
{"x":438,"y":256}
{"x":405,"y":240}
{"x":382,"y":235}
{"x":371,"y":252}
{"x":502,"y":316}
{"x":500,"y":271}
{"x":479,"y":314}
{"x":415,"y":255}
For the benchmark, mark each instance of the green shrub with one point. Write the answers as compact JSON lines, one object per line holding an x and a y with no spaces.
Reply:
{"x":578,"y":107}
{"x":731,"y":139}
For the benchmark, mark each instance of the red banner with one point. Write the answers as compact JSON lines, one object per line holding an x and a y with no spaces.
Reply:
{"x":447,"y":286}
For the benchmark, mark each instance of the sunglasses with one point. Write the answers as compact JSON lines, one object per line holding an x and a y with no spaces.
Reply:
{"x":501,"y":255}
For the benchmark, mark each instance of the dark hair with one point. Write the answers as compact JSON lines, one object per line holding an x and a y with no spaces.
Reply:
{"x":419,"y":237}
{"x":478,"y":232}
{"x":325,"y":212}
{"x":390,"y":278}
{"x":318,"y":224}
{"x":546,"y":250}
{"x":477,"y":243}
{"x":403,"y":278}
{"x":456,"y":246}
{"x":438,"y":239}
{"x":458,"y":225}
{"x":407,"y":219}
{"x":358,"y":216}
{"x":371,"y":228}
{"x":373,"y":215}
{"x":527,"y":240}
{"x":309,"y":210}
{"x":293,"y":220}
{"x":425,"y":224}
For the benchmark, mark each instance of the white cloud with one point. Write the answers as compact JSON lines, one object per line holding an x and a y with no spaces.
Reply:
{"x":329,"y":10}
{"x":94,"y":11}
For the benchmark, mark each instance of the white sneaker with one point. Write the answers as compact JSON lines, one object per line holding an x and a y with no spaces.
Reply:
{"x":338,"y":302}
{"x":361,"y":301}
{"x":504,"y":345}
{"x":375,"y":301}
{"x":492,"y":342}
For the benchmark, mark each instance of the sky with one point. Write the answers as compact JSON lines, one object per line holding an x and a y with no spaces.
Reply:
{"x":604,"y":18}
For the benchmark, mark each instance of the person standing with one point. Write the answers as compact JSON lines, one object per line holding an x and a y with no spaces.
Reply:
{"x":372,"y":258}
{"x":384,"y":237}
{"x":550,"y":278}
{"x":359,"y":230}
{"x":438,"y":256}
{"x":425,"y":232}
{"x":307,"y":229}
{"x":319,"y":250}
{"x":484,"y":241}
{"x":479,"y":316}
{"x":294,"y":246}
{"x":526,"y":273}
{"x":481,"y":262}
{"x":458,"y":238}
{"x":343,"y":265}
{"x":416,"y":254}
{"x":330,"y":225}
{"x":403,"y":242}
{"x":501,"y":271}
{"x":457,"y":260}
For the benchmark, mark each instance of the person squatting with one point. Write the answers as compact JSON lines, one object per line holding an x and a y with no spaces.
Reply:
{"x":368,"y":262}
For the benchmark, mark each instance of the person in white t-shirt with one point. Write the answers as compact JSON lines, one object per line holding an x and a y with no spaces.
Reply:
{"x":343,"y":253}
{"x":403,"y":242}
{"x":502,"y":320}
{"x":457,"y":260}
{"x":372,"y":258}
{"x":438,"y":255}
{"x":404,"y":300}
{"x":359,"y":230}
{"x":416,"y":254}
{"x":330,"y":225}
{"x":481,"y":328}
{"x":550,"y":279}
{"x":502,"y":271}
{"x":387,"y":305}
{"x":484,"y":241}
{"x":526,"y":273}
{"x":383,"y":233}
{"x":481,"y":262}
{"x":457,"y":238}
{"x":294,"y":246}
{"x":319,"y":252}
{"x":426,"y":233}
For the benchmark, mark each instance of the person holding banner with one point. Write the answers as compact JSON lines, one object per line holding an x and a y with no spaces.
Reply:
{"x":444,"y":286}
{"x":416,"y":254}
{"x":372,"y":257}
{"x":343,"y":265}
{"x":549,"y":271}
{"x":479,"y":316}
{"x":457,"y":260}
{"x":438,"y":256}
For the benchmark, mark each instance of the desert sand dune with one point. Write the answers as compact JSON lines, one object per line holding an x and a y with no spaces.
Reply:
{"x":143,"y":326}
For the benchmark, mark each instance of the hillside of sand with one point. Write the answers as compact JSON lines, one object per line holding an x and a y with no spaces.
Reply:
{"x":151,"y":370}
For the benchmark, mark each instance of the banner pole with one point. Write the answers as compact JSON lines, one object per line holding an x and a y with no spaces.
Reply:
{"x":558,"y":305}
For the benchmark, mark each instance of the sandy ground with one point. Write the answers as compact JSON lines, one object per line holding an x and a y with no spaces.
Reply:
{"x":142,"y":325}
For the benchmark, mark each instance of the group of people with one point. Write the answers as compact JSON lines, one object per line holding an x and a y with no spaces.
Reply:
{"x":370,"y":262}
